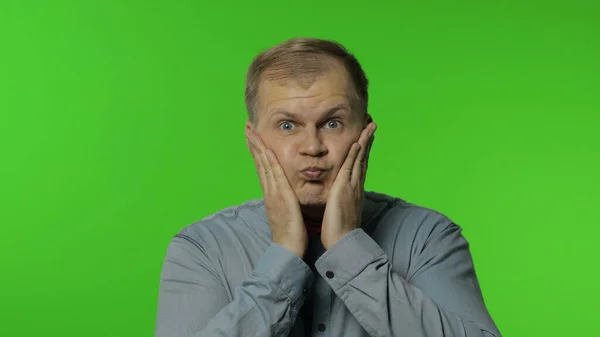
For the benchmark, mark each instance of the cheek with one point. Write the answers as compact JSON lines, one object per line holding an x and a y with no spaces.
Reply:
{"x":285,"y":154}
{"x":339,"y":153}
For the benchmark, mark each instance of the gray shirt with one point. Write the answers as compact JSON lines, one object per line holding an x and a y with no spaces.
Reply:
{"x":407,"y":272}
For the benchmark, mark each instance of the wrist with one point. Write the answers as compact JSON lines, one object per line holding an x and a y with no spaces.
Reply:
{"x":295,"y":247}
{"x":330,"y":240}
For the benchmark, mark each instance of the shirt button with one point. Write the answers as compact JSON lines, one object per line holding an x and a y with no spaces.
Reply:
{"x":329,"y":274}
{"x":321,"y":327}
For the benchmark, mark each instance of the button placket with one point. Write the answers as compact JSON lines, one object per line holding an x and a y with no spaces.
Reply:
{"x":322,"y":313}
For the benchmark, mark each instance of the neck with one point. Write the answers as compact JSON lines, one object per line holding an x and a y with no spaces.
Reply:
{"x":313,"y":214}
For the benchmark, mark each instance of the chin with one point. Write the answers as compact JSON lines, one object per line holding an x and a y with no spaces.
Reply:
{"x":313,"y":202}
{"x":312,"y":196}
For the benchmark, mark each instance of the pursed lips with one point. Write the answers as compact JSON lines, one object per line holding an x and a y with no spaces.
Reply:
{"x":313,"y":172}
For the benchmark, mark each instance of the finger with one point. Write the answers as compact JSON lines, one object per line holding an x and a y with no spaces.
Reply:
{"x":267,"y":168}
{"x":360,"y":163}
{"x":358,"y":166}
{"x":278,"y":174}
{"x":348,"y":165}
{"x":252,"y":153}
{"x":258,"y":163}
{"x":365,"y":135}
{"x":277,"y":179}
{"x":366,"y":165}
{"x":280,"y":180}
{"x":345,"y":172}
{"x":369,"y":150}
{"x":263,"y":167}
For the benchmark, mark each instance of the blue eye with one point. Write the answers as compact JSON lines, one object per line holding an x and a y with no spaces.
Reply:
{"x":333,"y":124}
{"x":286,"y":126}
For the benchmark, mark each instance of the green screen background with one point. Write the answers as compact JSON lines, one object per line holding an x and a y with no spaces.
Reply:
{"x":122,"y":122}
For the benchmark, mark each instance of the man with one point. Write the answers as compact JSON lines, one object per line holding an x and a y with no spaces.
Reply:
{"x":318,"y":256}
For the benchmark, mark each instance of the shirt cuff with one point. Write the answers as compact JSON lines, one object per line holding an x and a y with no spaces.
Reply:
{"x":286,"y":270}
{"x":347,"y":258}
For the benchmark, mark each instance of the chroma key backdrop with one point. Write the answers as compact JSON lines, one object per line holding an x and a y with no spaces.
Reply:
{"x":121,"y":122}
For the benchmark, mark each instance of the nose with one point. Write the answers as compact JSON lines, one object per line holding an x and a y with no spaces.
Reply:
{"x":312,"y":144}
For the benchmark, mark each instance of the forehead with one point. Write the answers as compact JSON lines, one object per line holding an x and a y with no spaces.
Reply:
{"x":331,"y":86}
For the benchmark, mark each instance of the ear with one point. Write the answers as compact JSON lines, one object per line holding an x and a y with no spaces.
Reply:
{"x":250,"y":126}
{"x":367,"y":119}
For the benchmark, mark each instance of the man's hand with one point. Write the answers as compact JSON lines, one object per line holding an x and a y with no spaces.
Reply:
{"x":281,"y":204}
{"x":345,"y":201}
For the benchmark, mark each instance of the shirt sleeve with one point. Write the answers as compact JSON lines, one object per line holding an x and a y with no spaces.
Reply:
{"x":442,"y":297}
{"x":193,"y":302}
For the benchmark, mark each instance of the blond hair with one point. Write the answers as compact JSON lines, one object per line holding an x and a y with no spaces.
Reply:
{"x":302,"y":60}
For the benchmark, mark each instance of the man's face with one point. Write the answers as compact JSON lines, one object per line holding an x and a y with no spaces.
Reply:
{"x":308,"y":127}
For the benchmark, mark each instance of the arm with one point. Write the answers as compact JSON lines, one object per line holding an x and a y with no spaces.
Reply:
{"x":193,"y":301}
{"x":441,"y":298}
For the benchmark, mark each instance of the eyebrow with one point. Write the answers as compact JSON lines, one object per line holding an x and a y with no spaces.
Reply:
{"x":329,"y":113}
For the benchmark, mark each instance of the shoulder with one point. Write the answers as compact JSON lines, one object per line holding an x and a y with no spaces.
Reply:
{"x":245,"y":219}
{"x":403,"y":217}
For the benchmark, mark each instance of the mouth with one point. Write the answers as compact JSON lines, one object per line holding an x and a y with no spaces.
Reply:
{"x":314,"y":173}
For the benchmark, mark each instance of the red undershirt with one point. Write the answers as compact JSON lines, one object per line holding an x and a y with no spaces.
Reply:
{"x":313,"y":228}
